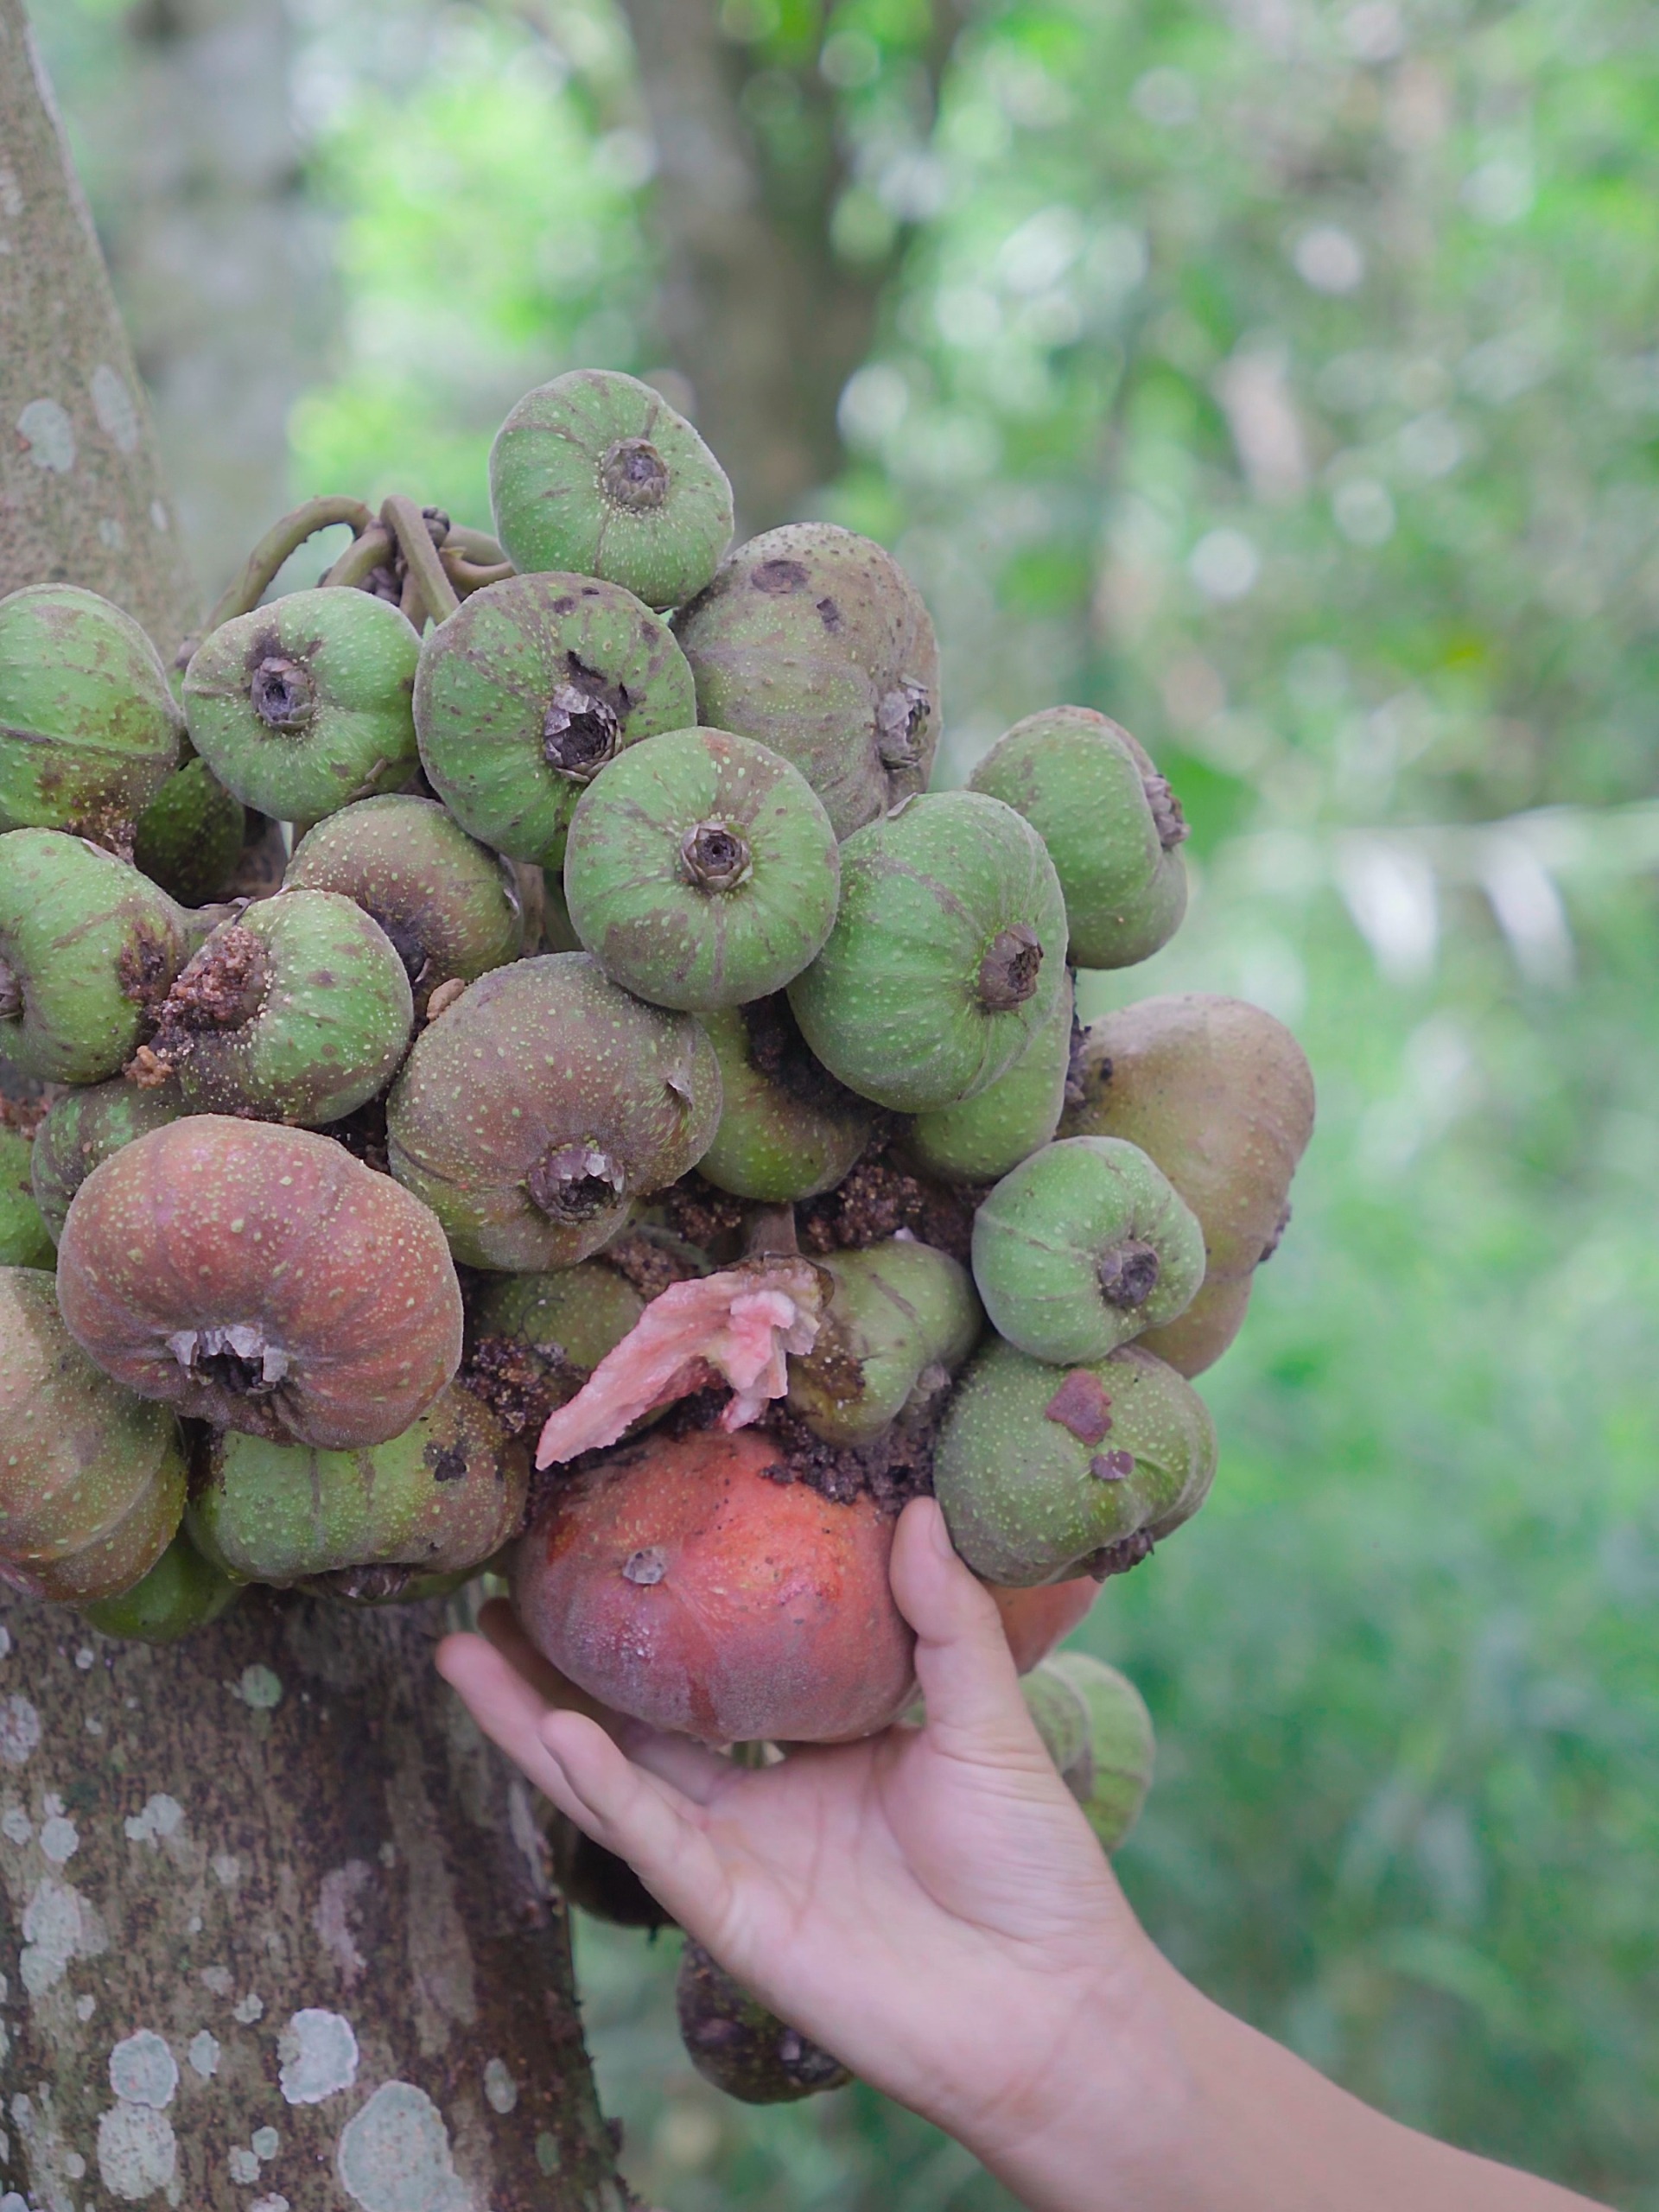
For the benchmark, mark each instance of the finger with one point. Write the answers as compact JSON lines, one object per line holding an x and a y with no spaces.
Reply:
{"x":509,"y":1709}
{"x":962,"y":1660}
{"x":644,"y":1820}
{"x":499,"y":1623}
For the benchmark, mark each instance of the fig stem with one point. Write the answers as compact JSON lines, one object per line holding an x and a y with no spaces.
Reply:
{"x":11,"y":992}
{"x":401,"y":515}
{"x":771,"y":1231}
{"x":468,"y":576}
{"x":474,"y":545}
{"x":258,"y":571}
{"x":359,"y":561}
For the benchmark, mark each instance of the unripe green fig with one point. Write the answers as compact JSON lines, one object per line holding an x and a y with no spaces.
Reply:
{"x":596,"y":473}
{"x":88,"y":947}
{"x":1082,"y":1247}
{"x":787,"y":1128}
{"x":541,"y":1103}
{"x":89,"y":733}
{"x":528,"y":689}
{"x":92,"y":1478}
{"x":901,"y":1321}
{"x":442,"y":1496}
{"x":1113,"y":827}
{"x":701,"y":870}
{"x":1219,"y":1094}
{"x":558,"y":931}
{"x":1007,"y":1121}
{"x":260,"y":1278}
{"x":304,"y":705}
{"x":1095,"y":1725}
{"x":450,"y":907}
{"x":1045,"y":1473}
{"x":182,"y":1592}
{"x":814,"y":640}
{"x":535,"y":1338}
{"x":25,"y":1241}
{"x":737,"y":2045}
{"x":190,"y":837}
{"x":297,"y":1009}
{"x":81,"y":1130}
{"x":947,"y":956}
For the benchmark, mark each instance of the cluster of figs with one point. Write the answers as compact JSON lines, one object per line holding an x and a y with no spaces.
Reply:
{"x":511,"y":1067}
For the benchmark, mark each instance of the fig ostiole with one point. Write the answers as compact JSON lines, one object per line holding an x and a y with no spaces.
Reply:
{"x":262,"y":1279}
{"x":528,"y":689}
{"x":736,"y":2044}
{"x":1082,"y":1247}
{"x":1045,"y":1473}
{"x":901,"y":1318}
{"x":701,"y":870}
{"x":1006,"y":1122}
{"x":1095,"y":1727}
{"x":948,"y":955}
{"x":82,"y":1128}
{"x":788,"y":1129}
{"x":92,"y":1477}
{"x":306,"y":704}
{"x":596,"y":472}
{"x":814,"y":640}
{"x":182,"y":1592}
{"x":541,"y":1103}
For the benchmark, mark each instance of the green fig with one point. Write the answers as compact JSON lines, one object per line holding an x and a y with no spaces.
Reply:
{"x":741,"y":2047}
{"x":298,"y":1009}
{"x":92,"y":1478}
{"x":528,"y":689}
{"x":1007,"y":1121}
{"x":701,"y":870}
{"x":88,"y":947}
{"x":190,"y":837}
{"x":451,"y":907}
{"x":540,"y":1104}
{"x":25,"y":1241}
{"x":787,"y":1128}
{"x":81,"y":1130}
{"x":182,"y":1592}
{"x":558,"y":931}
{"x":947,"y":956}
{"x":596,"y":473}
{"x":901,"y":1321}
{"x":89,"y":733}
{"x":304,"y":705}
{"x":442,"y":1496}
{"x":1219,"y":1094}
{"x":1044,"y":1473}
{"x":1083,"y":1246}
{"x":1096,"y":1727}
{"x":814,"y":640}
{"x":537,"y":1338}
{"x":1113,"y":827}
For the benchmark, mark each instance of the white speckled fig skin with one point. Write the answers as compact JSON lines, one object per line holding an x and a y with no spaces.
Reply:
{"x":92,"y":1478}
{"x":341,"y":1282}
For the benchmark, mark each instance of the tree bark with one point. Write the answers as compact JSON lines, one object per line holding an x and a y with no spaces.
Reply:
{"x":81,"y":495}
{"x":275,"y":1927}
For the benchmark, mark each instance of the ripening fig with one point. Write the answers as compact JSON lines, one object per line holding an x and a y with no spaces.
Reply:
{"x":1007,"y":1121}
{"x":450,"y":907}
{"x":296,"y":1010}
{"x":88,"y":730}
{"x":814,"y":640}
{"x":261,"y":1279}
{"x":1045,"y":1473}
{"x":901,"y":1321}
{"x":681,"y":1581}
{"x":24,"y":1239}
{"x":947,"y":957}
{"x":787,"y":1128}
{"x":701,"y":870}
{"x":182,"y":1593}
{"x":528,"y":689}
{"x":541,"y":1103}
{"x":1096,"y":1727}
{"x":88,"y":947}
{"x":82,"y":1128}
{"x":1219,"y":1093}
{"x":305,"y":704}
{"x":737,"y":2045}
{"x":1113,"y":827}
{"x":441,"y":1497}
{"x":596,"y":473}
{"x":1082,"y":1247}
{"x":92,"y":1478}
{"x":1035,"y":1619}
{"x":190,"y":837}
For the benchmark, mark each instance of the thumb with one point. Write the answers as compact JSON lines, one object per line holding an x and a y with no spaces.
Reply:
{"x":962,"y":1660}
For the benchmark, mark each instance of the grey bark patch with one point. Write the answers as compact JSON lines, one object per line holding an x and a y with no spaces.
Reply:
{"x":20,"y":1731}
{"x":144,"y":2071}
{"x":203,"y":2054}
{"x":395,"y":2155}
{"x":319,"y":2054}
{"x":45,"y":430}
{"x":162,"y":1816}
{"x":113,"y":404}
{"x":137,"y":2151}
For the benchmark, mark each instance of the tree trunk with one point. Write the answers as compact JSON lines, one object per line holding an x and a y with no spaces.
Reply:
{"x":275,"y":1927}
